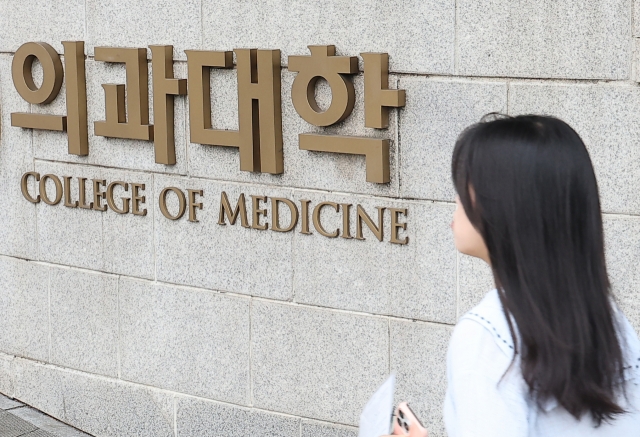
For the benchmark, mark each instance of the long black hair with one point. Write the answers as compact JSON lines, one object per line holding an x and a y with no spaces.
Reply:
{"x":528,"y":186}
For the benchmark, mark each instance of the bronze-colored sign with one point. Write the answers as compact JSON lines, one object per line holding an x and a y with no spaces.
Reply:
{"x":262,"y":217}
{"x":75,"y":122}
{"x":259,"y":136}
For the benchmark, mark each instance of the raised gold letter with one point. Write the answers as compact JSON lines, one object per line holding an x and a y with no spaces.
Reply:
{"x":225,"y":209}
{"x":275,"y":217}
{"x":116,"y":124}
{"x":165,"y":87}
{"x":24,"y":186}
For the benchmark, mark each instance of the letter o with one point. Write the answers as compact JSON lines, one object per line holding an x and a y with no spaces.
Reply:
{"x":43,"y":189}
{"x":23,"y":76}
{"x":182,"y":203}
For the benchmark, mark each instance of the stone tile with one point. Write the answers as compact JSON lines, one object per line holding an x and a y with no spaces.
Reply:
{"x":292,"y":26}
{"x":128,"y":247}
{"x":327,"y":171}
{"x":569,"y":39}
{"x":437,"y":112}
{"x":6,"y":403}
{"x":225,"y":258}
{"x":6,"y":374}
{"x":605,"y":118}
{"x":313,"y":428}
{"x":112,"y":152}
{"x":12,"y":426}
{"x":622,"y":244}
{"x":70,"y":236}
{"x":97,"y":405}
{"x":53,"y":23}
{"x":24,"y":299}
{"x":47,"y":424}
{"x":118,"y":243}
{"x":416,"y":280}
{"x":111,"y":408}
{"x":40,"y":386}
{"x":140,"y":24}
{"x":160,"y":326}
{"x":84,"y":321}
{"x":198,"y":418}
{"x":475,"y":280}
{"x":18,"y":216}
{"x":315,"y":363}
{"x":418,"y":357}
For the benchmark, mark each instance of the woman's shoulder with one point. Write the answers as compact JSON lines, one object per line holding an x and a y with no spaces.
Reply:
{"x":488,"y":322}
{"x":481,"y":344}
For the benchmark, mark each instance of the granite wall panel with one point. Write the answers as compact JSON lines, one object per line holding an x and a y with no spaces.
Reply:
{"x":353,"y":27}
{"x":200,"y":418}
{"x":84,"y":321}
{"x":18,"y":217}
{"x":40,"y":20}
{"x":316,"y":363}
{"x":100,"y":406}
{"x":416,"y":280}
{"x":220,"y":257}
{"x":24,"y":300}
{"x":572,"y":39}
{"x":440,"y":110}
{"x":185,"y":340}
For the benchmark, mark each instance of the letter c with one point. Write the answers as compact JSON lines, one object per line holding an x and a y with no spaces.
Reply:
{"x":24,"y":186}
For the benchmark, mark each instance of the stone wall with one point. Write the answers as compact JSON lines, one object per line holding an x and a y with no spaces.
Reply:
{"x":124,"y":325}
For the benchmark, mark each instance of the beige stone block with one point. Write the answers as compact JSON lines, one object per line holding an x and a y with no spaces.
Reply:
{"x":316,"y":363}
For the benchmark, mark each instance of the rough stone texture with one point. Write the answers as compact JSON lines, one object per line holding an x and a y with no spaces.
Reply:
{"x":313,"y":428}
{"x":440,"y":110}
{"x":316,"y":363}
{"x":418,"y":357}
{"x":40,"y":20}
{"x":568,"y":39}
{"x":475,"y":280}
{"x":292,"y":26}
{"x":6,"y":374}
{"x":198,"y":418}
{"x":84,"y":321}
{"x":41,"y":386}
{"x":111,"y":152}
{"x":415,"y":280}
{"x":96,"y":405}
{"x":162,"y":325}
{"x":140,"y":24}
{"x":209,"y":255}
{"x":24,"y":299}
{"x":328,"y":171}
{"x":605,"y":118}
{"x":622,"y":242}
{"x":47,"y":425}
{"x":18,"y":216}
{"x":92,"y":239}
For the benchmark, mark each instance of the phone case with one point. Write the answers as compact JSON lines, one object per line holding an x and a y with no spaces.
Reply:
{"x":405,"y":422}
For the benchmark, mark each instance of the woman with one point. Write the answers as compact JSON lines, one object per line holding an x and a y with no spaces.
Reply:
{"x":547,"y":353}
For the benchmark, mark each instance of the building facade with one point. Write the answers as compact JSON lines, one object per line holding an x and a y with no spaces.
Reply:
{"x":261,"y":267}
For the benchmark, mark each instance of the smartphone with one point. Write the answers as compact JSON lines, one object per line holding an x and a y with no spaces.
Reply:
{"x":405,"y":422}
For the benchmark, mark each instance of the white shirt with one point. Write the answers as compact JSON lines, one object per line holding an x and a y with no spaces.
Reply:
{"x":479,"y":404}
